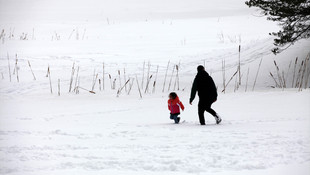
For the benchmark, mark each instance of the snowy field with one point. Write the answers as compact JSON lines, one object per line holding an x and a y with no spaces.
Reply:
{"x":265,"y":130}
{"x":95,"y":134}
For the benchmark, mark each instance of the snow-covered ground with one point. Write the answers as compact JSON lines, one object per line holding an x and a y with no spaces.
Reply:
{"x":265,"y":131}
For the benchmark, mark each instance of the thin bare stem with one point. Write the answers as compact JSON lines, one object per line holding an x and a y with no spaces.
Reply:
{"x":34,"y":77}
{"x":257,"y":74}
{"x":166,"y":76}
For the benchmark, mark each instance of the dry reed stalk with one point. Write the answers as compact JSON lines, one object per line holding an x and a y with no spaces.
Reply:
{"x":142,"y":81}
{"x":148,"y":75}
{"x":102,"y":76}
{"x":138,"y":87}
{"x":94,"y":83}
{"x":308,"y":72}
{"x":166,"y":76}
{"x":77,"y":88}
{"x":9,"y":67}
{"x":296,"y":60}
{"x":176,"y":81}
{"x":287,"y":73}
{"x":49,"y":76}
{"x":147,"y":84}
{"x":279,"y":75}
{"x":71,"y":34}
{"x":76,"y":78}
{"x":16,"y":68}
{"x":274,"y":79}
{"x":223,"y":74}
{"x":72,"y":75}
{"x":86,"y":90}
{"x":125,"y":79}
{"x":83,"y":34}
{"x":230,"y":80}
{"x":236,"y":84}
{"x":257,"y":74}
{"x":171,"y":78}
{"x":130,"y":86}
{"x":111,"y":81}
{"x":58,"y":87}
{"x":299,"y":74}
{"x":239,"y":65}
{"x":114,"y":83}
{"x":120,"y":90}
{"x":303,"y":72}
{"x":31,"y":70}
{"x":247,"y":79}
{"x":119,"y":77}
{"x":154,"y":84}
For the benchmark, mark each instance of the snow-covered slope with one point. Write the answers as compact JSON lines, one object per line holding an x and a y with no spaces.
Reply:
{"x":262,"y":132}
{"x":265,"y":131}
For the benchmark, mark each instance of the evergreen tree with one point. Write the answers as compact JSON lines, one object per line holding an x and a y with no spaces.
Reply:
{"x":292,"y":15}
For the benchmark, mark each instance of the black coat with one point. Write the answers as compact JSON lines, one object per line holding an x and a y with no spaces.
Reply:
{"x":205,"y":86}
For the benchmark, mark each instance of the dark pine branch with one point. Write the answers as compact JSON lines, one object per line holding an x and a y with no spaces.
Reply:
{"x":292,"y":15}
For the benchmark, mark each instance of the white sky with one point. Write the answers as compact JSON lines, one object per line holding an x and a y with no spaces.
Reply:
{"x":97,"y":10}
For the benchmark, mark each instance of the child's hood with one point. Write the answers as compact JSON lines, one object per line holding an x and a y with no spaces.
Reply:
{"x":176,"y":100}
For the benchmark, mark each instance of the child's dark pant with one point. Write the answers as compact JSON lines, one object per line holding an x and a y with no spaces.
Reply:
{"x":174,"y":117}
{"x":202,"y":107}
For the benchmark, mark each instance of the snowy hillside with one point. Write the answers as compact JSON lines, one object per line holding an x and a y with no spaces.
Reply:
{"x":265,"y":130}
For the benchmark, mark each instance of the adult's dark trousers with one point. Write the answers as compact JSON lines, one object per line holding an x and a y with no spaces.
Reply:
{"x":202,"y":107}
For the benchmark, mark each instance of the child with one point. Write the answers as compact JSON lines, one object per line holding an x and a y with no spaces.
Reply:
{"x":174,"y":105}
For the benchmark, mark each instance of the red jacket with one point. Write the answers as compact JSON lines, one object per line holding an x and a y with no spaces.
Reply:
{"x":174,"y":105}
